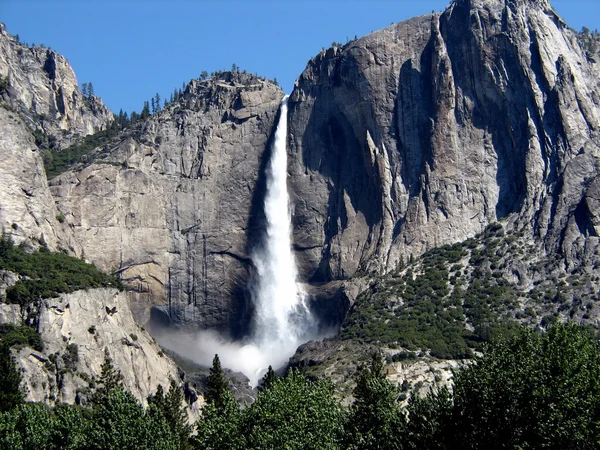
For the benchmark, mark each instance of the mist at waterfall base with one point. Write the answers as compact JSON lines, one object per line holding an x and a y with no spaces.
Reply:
{"x":282,"y":320}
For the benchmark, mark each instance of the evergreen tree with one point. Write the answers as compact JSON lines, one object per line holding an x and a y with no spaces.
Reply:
{"x":120,"y":423}
{"x":145,"y":111}
{"x":531,"y":391}
{"x":109,"y":381}
{"x":11,"y":394}
{"x":152,"y":105}
{"x":429,"y":422}
{"x":219,"y":426}
{"x":28,"y":426}
{"x":90,"y":90}
{"x":294,"y":413}
{"x":171,"y":407}
{"x":84,"y":90}
{"x":217,"y":385}
{"x":157,"y":101}
{"x":375,"y":419}
{"x":268,"y":379}
{"x":203,"y":75}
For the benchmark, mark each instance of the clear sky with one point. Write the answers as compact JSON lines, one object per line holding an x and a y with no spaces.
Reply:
{"x":131,"y":49}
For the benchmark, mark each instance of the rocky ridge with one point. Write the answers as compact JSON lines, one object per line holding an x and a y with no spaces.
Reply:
{"x":423,"y":133}
{"x":41,"y":86}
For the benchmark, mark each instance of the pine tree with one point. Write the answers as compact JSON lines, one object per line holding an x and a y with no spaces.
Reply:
{"x":157,"y":102}
{"x":219,"y":426}
{"x":217,"y":385}
{"x":84,"y":90}
{"x":10,"y":381}
{"x":269,"y":378}
{"x":90,"y":89}
{"x":375,"y":419}
{"x":110,"y":379}
{"x":152,"y":105}
{"x":145,"y":111}
{"x":172,"y":408}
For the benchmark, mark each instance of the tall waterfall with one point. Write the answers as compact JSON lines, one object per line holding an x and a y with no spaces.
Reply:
{"x":282,"y":320}
{"x":281,"y":317}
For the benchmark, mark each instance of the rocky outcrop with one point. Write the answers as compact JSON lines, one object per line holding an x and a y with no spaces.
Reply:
{"x":79,"y":330}
{"x":39,"y":102}
{"x":174,"y":205}
{"x":40,"y":85}
{"x":424,"y":132}
{"x":27,"y":209}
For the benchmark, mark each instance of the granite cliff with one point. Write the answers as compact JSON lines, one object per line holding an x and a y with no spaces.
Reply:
{"x":172,"y":205}
{"x":422,"y":134}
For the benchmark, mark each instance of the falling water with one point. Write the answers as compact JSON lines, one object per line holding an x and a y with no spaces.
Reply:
{"x":281,"y":319}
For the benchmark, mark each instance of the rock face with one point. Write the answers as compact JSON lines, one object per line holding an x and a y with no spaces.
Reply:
{"x":174,"y":206}
{"x":78,"y":330}
{"x":42,"y":87}
{"x":27,"y":209}
{"x":426,"y":131}
{"x":38,"y":95}
{"x":415,"y":136}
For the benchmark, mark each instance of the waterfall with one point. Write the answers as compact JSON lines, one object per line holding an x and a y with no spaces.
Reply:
{"x":282,"y":319}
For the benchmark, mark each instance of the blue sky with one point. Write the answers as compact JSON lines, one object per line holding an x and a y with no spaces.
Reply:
{"x":131,"y":49}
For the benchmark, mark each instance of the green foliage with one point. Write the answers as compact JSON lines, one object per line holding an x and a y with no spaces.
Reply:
{"x":11,"y":394}
{"x":589,"y":41}
{"x":430,"y":317}
{"x":430,"y":421}
{"x":219,"y":427}
{"x":57,"y":162}
{"x":217,"y":385}
{"x":429,"y":304}
{"x":375,"y":419}
{"x":47,"y":274}
{"x":109,"y":381}
{"x":27,"y":427}
{"x":69,"y":427}
{"x":170,"y":408}
{"x":19,"y":336}
{"x":119,"y":422}
{"x":530,"y":390}
{"x":3,"y":84}
{"x":294,"y":413}
{"x":269,"y":379}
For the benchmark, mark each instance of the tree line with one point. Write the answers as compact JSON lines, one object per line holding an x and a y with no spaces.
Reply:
{"x":533,"y":390}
